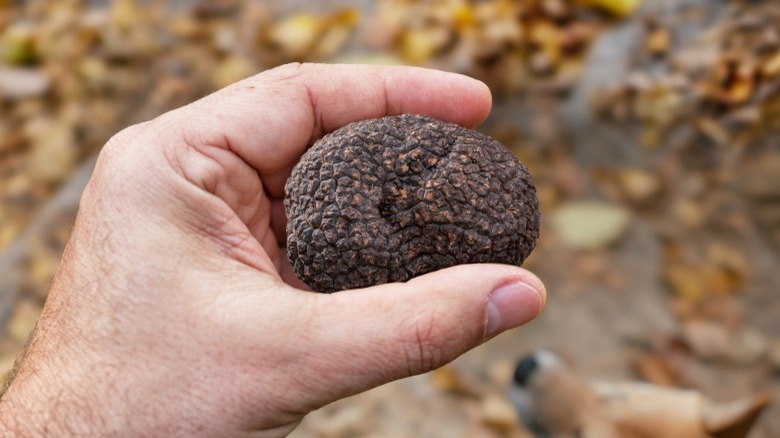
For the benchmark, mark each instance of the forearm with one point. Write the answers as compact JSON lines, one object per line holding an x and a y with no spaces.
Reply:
{"x":54,"y":391}
{"x":29,"y":408}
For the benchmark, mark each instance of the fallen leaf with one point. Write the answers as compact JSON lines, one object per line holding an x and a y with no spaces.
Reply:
{"x":635,"y":185}
{"x":21,"y":83}
{"x":689,"y":213}
{"x":296,"y":34}
{"x":337,"y":29}
{"x":126,"y":14}
{"x":17,"y":44}
{"x":748,"y":346}
{"x":685,"y":281}
{"x":230,"y":70}
{"x":707,"y":339}
{"x":711,"y":340}
{"x":655,"y":369}
{"x":501,"y":372}
{"x":713,"y":130}
{"x":54,"y":151}
{"x":771,"y":68}
{"x":498,"y":412}
{"x":419,"y":45}
{"x":620,"y":8}
{"x":590,"y":224}
{"x":658,"y":41}
{"x":446,"y":379}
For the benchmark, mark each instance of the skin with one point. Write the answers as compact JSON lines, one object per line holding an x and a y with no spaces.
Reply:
{"x":174,"y":311}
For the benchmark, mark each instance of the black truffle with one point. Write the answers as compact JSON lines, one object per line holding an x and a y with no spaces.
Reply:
{"x":388,"y":199}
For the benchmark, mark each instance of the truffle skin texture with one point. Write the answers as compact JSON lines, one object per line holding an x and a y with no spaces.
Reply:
{"x":388,"y":199}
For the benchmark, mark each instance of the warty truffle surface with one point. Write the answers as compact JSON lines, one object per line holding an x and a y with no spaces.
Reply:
{"x":388,"y":199}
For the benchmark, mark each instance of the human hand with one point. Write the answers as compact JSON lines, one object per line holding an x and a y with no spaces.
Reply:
{"x":175,"y":312}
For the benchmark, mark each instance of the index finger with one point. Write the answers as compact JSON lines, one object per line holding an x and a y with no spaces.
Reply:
{"x":270,"y":119}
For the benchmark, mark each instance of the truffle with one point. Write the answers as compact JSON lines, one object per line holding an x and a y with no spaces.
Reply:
{"x":388,"y":199}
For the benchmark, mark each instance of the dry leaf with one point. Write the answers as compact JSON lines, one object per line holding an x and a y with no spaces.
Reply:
{"x":771,"y":68}
{"x":685,"y":281}
{"x":498,"y":412}
{"x":658,"y":41}
{"x":21,"y":83}
{"x":419,"y":45}
{"x":655,"y":369}
{"x":127,"y":14}
{"x":296,"y":34}
{"x":17,"y":44}
{"x":54,"y":151}
{"x":337,"y":29}
{"x":748,"y":346}
{"x":689,"y":213}
{"x":620,"y":8}
{"x":713,"y":341}
{"x":713,"y":130}
{"x":639,"y":185}
{"x":590,"y":225}
{"x":708,"y":340}
{"x":230,"y":70}
{"x":446,"y":379}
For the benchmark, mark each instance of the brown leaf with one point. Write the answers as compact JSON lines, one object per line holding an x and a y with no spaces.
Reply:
{"x":499,"y":413}
{"x":658,"y":41}
{"x":657,"y":370}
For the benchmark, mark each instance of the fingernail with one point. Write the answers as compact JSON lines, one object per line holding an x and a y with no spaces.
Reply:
{"x":511,"y":305}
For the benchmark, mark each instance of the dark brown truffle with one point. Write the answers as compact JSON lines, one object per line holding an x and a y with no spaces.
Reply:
{"x":388,"y":199}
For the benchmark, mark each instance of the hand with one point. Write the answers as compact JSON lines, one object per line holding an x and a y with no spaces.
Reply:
{"x":175,"y":312}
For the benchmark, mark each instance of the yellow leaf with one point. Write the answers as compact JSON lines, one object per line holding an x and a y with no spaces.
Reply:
{"x":126,"y":14}
{"x":619,"y":8}
{"x":231,"y":70}
{"x":17,"y":45}
{"x":420,"y":45}
{"x":336,"y":31}
{"x":343,"y":18}
{"x":771,"y":68}
{"x":463,"y":16}
{"x":296,"y":34}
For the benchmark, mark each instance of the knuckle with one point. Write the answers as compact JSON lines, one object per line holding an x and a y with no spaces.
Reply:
{"x":123,"y":145}
{"x":122,"y":139}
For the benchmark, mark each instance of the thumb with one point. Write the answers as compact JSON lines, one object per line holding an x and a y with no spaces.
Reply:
{"x":388,"y":332}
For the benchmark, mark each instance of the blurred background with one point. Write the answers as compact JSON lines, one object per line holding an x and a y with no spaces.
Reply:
{"x":650,"y":129}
